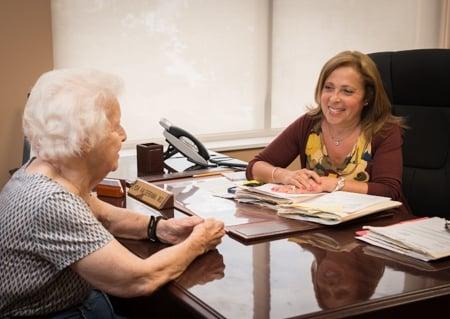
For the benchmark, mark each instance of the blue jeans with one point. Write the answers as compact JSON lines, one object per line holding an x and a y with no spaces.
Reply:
{"x":95,"y":306}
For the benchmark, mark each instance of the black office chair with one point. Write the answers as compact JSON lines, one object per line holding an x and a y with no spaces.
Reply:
{"x":418,"y":85}
{"x":26,"y":153}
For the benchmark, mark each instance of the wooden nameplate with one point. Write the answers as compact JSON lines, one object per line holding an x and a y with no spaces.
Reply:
{"x":151,"y":194}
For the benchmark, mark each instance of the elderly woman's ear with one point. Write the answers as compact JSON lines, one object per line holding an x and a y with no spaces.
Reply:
{"x":86,"y":148}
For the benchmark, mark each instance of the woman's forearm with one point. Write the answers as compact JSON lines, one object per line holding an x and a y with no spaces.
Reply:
{"x":117,"y":271}
{"x":168,"y":264}
{"x":355,"y":187}
{"x":262,"y":171}
{"x":120,"y":222}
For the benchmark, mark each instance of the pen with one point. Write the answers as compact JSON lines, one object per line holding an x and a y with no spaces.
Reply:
{"x":207,"y":174}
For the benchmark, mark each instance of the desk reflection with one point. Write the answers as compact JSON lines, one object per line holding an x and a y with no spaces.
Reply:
{"x":183,"y":192}
{"x":206,"y":268}
{"x":198,"y":197}
{"x":341,"y":272}
{"x":344,"y":278}
{"x":316,"y":274}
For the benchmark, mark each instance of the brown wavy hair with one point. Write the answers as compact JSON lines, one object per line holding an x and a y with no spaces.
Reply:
{"x":378,"y":110}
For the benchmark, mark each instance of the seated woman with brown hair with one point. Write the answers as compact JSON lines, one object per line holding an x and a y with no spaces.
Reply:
{"x":350,"y":141}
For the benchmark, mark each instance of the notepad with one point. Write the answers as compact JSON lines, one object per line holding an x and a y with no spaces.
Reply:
{"x":234,"y":176}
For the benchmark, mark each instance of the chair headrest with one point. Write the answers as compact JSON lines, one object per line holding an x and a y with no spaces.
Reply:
{"x":416,"y":77}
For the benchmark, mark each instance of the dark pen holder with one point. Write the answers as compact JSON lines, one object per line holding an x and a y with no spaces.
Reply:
{"x":149,"y":159}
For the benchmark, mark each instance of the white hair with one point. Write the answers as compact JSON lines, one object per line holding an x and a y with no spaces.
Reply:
{"x":66,"y":111}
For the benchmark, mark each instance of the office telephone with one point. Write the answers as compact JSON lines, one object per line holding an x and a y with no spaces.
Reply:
{"x":181,"y":141}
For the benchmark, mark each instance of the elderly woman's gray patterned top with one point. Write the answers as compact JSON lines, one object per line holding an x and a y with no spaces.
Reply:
{"x":43,"y":230}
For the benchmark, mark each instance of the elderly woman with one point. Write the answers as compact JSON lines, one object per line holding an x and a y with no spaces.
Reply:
{"x":350,"y":141}
{"x":56,"y":239}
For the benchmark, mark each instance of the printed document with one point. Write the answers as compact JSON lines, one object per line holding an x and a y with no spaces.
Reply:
{"x":337,"y":207}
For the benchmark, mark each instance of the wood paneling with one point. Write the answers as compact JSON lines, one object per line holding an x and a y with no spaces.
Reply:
{"x":26,"y":52}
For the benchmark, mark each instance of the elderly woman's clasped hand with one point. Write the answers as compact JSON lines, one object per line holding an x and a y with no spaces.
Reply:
{"x":207,"y":232}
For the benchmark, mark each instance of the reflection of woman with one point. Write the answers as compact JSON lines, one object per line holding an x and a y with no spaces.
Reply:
{"x":343,"y":278}
{"x":350,"y":141}
{"x":341,"y":273}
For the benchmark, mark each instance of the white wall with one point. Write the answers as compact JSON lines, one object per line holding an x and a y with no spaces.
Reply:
{"x":201,"y":64}
{"x":204,"y":64}
{"x":308,"y":33}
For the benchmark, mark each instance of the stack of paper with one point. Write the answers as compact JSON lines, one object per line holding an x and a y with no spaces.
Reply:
{"x":264,"y":195}
{"x":337,"y":207}
{"x":425,"y":239}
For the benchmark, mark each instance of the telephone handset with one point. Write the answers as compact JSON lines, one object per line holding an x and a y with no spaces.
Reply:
{"x":181,"y":141}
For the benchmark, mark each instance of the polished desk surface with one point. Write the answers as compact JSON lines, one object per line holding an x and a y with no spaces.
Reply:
{"x":322,"y":272}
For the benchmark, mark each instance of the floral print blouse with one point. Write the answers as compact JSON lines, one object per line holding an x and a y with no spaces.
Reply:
{"x":354,"y":165}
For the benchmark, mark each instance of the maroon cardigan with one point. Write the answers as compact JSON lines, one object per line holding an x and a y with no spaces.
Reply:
{"x":385,"y":168}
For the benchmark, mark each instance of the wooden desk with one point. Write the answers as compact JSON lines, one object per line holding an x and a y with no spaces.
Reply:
{"x":320,"y":273}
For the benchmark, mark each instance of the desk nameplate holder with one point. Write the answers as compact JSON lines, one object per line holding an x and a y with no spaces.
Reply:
{"x":151,"y":194}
